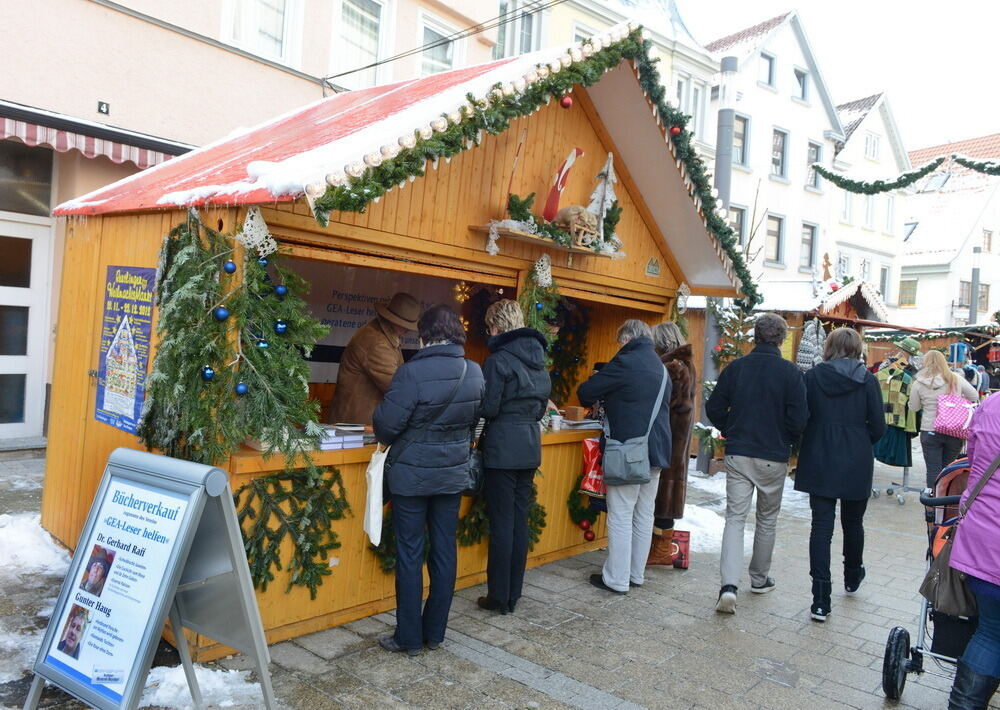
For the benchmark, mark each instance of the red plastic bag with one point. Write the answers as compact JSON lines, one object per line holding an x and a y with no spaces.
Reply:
{"x":680,"y":547}
{"x":592,"y":483}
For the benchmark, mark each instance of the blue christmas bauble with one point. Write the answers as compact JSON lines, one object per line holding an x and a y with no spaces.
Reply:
{"x":229,"y":267}
{"x":539,"y":306}
{"x":263,"y":344}
{"x":263,"y":262}
{"x":281,"y":327}
{"x":281,"y":291}
{"x":207,"y":373}
{"x":556,"y":373}
{"x":241,"y":389}
{"x":221,"y":313}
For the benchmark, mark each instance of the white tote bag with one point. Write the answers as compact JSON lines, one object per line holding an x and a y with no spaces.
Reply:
{"x":373,"y":502}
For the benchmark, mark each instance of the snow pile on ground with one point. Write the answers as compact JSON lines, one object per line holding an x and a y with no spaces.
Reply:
{"x":706,"y":528}
{"x":29,"y":553}
{"x":168,"y":688}
{"x":27,"y":549}
{"x":793,"y":502}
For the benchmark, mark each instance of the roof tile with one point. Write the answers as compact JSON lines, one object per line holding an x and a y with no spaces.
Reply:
{"x":981,"y":147}
{"x":854,"y":112}
{"x":747,"y":35}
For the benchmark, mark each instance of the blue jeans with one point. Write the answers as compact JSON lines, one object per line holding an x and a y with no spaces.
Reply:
{"x":410,"y":516}
{"x":982,"y":655}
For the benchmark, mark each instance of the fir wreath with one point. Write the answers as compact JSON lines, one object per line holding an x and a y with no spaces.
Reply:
{"x":493,"y":115}
{"x":229,"y":367}
{"x":578,"y":512}
{"x":473,"y":528}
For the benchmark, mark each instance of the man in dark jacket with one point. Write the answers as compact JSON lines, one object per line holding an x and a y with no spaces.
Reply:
{"x":517,"y":388}
{"x":759,"y":404}
{"x":428,"y":416}
{"x":629,"y":386}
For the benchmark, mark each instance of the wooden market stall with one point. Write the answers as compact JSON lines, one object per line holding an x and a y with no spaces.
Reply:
{"x":433,"y":225}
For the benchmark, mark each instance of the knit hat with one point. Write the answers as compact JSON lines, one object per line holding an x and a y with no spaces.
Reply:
{"x":910,"y":345}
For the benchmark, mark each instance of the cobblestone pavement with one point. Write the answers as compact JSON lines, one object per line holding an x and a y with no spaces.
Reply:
{"x":661,"y":646}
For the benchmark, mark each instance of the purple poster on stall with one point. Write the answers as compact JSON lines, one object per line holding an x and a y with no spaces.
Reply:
{"x":125,"y":331}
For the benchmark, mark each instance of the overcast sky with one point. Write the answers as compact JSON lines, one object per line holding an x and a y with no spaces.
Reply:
{"x":938,"y":61}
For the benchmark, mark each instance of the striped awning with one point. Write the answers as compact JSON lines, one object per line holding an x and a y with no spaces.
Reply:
{"x":64,"y":141}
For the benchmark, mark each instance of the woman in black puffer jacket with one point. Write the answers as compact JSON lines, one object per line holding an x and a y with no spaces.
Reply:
{"x":517,"y":389}
{"x":427,"y":470}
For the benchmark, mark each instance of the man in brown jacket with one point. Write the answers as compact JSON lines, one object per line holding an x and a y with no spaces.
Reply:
{"x":371,"y":359}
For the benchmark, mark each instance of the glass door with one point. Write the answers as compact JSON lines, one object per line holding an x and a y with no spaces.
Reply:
{"x":24,"y":294}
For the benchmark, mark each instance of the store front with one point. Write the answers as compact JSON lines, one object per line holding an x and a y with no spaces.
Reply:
{"x":427,"y":234}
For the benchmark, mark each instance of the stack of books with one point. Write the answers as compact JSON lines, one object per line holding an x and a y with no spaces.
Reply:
{"x":342,"y":436}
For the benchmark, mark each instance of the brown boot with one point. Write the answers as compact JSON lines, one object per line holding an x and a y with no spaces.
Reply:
{"x":661,"y":552}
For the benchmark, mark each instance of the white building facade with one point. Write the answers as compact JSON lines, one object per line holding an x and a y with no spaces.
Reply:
{"x":785,"y":121}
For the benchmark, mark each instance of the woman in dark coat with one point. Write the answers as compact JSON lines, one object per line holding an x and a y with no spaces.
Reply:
{"x":427,"y":470}
{"x":836,"y":460}
{"x":669,"y":343}
{"x":517,"y":389}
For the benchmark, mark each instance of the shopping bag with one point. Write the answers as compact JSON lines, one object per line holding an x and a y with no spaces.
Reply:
{"x":954,"y":414}
{"x":592,"y":483}
{"x":680,"y":548}
{"x":944,"y":587}
{"x":373,"y":500}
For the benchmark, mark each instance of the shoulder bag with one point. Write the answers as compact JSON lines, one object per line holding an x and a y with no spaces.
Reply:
{"x":954,"y":414}
{"x":627,"y":462}
{"x":944,"y":587}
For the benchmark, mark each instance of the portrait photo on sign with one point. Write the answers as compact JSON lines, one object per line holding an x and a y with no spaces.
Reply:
{"x":72,"y":632}
{"x":95,"y":573}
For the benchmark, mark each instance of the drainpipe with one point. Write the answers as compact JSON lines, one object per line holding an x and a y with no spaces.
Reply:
{"x":723,"y":183}
{"x":974,"y":296}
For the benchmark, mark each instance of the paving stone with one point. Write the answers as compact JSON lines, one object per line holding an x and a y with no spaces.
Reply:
{"x":295,"y":658}
{"x":331,"y":643}
{"x":436,"y":692}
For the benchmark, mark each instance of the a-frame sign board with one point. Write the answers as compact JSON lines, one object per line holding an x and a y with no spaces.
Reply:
{"x":161,"y":540}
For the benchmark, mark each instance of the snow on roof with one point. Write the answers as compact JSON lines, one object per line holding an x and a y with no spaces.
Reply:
{"x":866,"y":291}
{"x":854,"y":112}
{"x":746,"y":40}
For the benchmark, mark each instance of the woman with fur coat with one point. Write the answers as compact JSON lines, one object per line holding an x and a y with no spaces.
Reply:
{"x":678,"y":359}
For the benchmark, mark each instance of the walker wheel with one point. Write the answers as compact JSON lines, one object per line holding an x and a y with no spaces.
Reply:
{"x":900,"y":499}
{"x":890,"y":491}
{"x":897,"y":649}
{"x":876,"y":493}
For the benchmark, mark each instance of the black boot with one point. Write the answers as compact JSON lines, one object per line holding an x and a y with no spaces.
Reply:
{"x":820,"y":608}
{"x":853,"y":576}
{"x":971,"y":691}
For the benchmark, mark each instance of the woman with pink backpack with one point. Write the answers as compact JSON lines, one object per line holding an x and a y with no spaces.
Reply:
{"x":938,"y":427}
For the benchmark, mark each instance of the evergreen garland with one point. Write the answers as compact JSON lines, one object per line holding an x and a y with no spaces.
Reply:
{"x":493,"y":115}
{"x":302,"y":504}
{"x":569,"y":352}
{"x":520,"y":209}
{"x":578,"y":512}
{"x":540,"y":303}
{"x":875,"y":187}
{"x":229,"y":367}
{"x":989,"y":167}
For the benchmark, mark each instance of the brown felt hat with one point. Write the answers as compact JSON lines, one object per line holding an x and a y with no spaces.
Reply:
{"x":402,"y":309}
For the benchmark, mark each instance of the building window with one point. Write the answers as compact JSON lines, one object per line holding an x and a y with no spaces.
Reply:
{"x":908,"y":292}
{"x":843,"y":265}
{"x":358,"y":38}
{"x":26,"y":176}
{"x":908,"y":228}
{"x":779,"y":145}
{"x":890,"y":215}
{"x":766,"y":69}
{"x":883,"y":282}
{"x":965,"y":294}
{"x":812,"y":156}
{"x":775,"y":234}
{"x":738,"y":222}
{"x":871,"y":146}
{"x":682,"y":93}
{"x":935,"y":182}
{"x":984,"y":298}
{"x":801,"y":85}
{"x":866,"y":270}
{"x":806,"y":256}
{"x":439,"y":54}
{"x":987,"y":241}
{"x":845,"y":208}
{"x":870,"y":211}
{"x":518,"y":31}
{"x":262,"y":27}
{"x":695,"y":109}
{"x":580,"y":32}
{"x":741,"y":134}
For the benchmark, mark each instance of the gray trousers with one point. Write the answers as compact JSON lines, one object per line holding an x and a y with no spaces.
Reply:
{"x":744,"y":475}
{"x":630,"y":531}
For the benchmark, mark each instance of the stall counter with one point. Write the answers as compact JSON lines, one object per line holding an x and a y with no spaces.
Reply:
{"x":357,"y":586}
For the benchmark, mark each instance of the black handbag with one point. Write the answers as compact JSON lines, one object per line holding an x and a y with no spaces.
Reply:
{"x":477,"y":475}
{"x":944,"y":587}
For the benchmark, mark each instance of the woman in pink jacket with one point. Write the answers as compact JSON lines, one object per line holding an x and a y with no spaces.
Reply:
{"x":976,"y":551}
